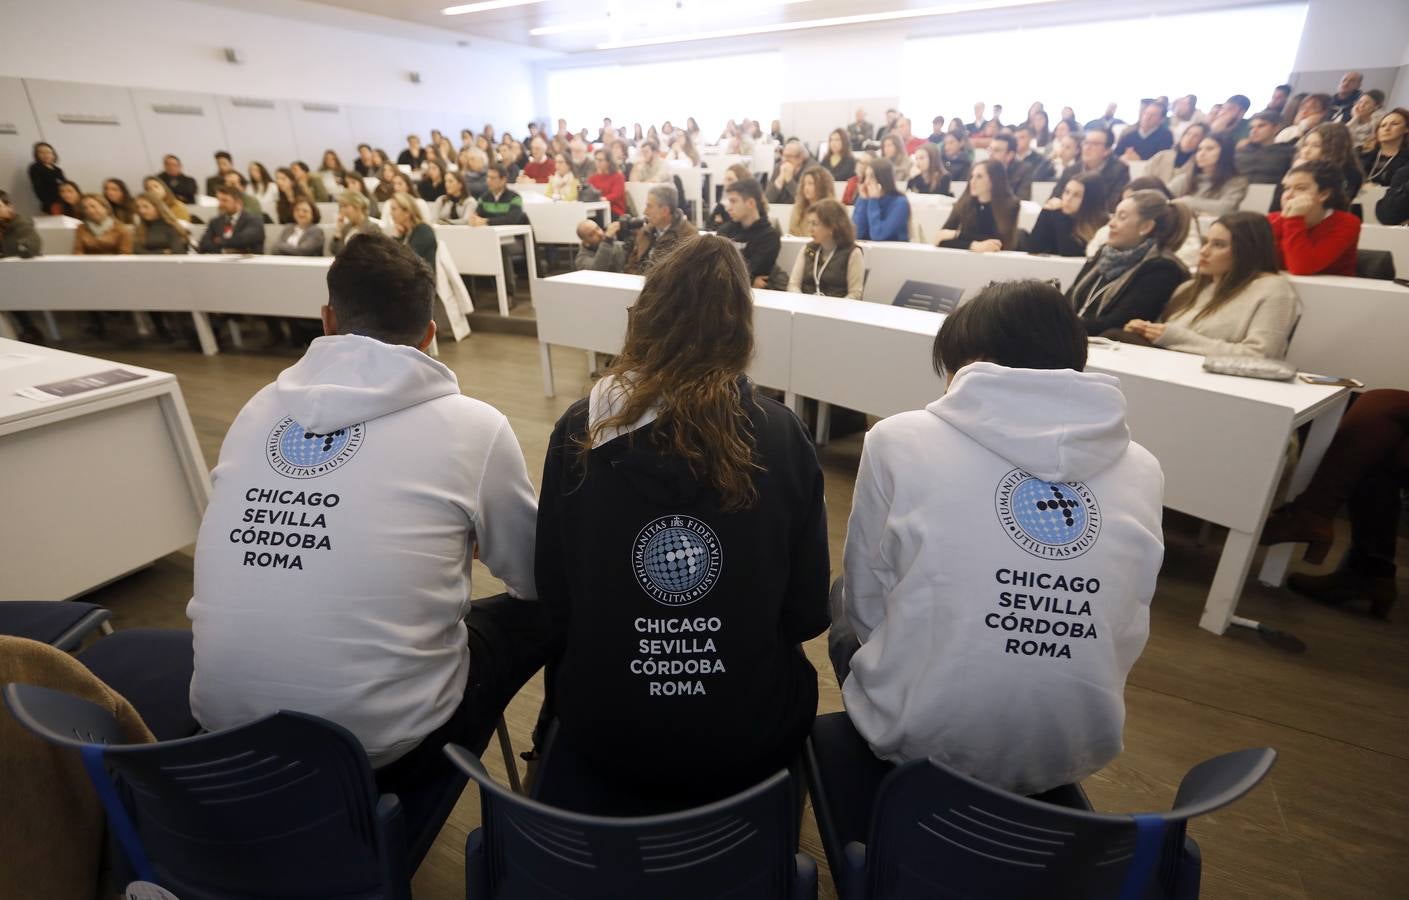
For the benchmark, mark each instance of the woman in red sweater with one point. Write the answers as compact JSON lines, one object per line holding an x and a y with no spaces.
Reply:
{"x":1315,"y":235}
{"x":610,"y":183}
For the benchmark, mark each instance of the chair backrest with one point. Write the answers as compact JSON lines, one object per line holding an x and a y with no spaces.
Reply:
{"x":282,"y":807}
{"x":940,"y":298}
{"x":474,"y":249}
{"x":1374,"y":264}
{"x":740,"y":847}
{"x":938,"y":833}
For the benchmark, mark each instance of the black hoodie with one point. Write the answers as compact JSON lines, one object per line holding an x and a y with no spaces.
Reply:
{"x":683,"y":680}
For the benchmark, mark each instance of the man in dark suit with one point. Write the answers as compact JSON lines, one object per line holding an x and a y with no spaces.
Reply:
{"x":178,"y":182}
{"x":234,"y":230}
{"x":223,"y":164}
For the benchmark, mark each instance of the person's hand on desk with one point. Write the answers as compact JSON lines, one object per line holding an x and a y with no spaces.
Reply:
{"x":761,"y":281}
{"x":1150,"y":331}
{"x":476,"y":220}
{"x":945,"y":234}
{"x":992,"y":245}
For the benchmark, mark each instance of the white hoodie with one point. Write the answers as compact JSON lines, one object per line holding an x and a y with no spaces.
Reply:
{"x":1000,"y":560}
{"x":333,"y":564}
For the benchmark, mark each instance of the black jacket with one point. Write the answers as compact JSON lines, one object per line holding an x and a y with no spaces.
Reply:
{"x":759,"y":243}
{"x":20,"y":239}
{"x":1054,"y":232}
{"x":183,"y":186}
{"x":159,"y":238}
{"x":682,"y":680}
{"x":1114,"y":175}
{"x":45,"y":182}
{"x":247,"y":236}
{"x":1140,"y":293}
{"x":1393,"y":208}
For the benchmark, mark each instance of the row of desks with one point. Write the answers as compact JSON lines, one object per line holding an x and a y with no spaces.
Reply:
{"x":876,"y":358}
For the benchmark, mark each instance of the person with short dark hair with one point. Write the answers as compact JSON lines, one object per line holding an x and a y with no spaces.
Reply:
{"x":1133,"y":275}
{"x":1003,"y":148}
{"x":223,"y":164}
{"x":649,"y":166}
{"x":498,"y":205}
{"x":664,"y":227}
{"x":45,"y":177}
{"x":1097,"y":155}
{"x":679,"y":466}
{"x":1343,"y":101}
{"x":1315,"y":234}
{"x":1313,"y":110}
{"x":1365,"y":118}
{"x":751,"y":230}
{"x":366,"y":162}
{"x":414,"y":155}
{"x":1261,"y":160}
{"x":388,"y":522}
{"x":934,"y":622}
{"x":1278,"y":103}
{"x":1147,"y":137}
{"x":180,"y":184}
{"x":1230,"y":118}
{"x":234,"y":230}
{"x":313,"y":187}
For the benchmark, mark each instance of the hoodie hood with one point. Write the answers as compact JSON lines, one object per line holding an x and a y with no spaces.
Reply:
{"x":346,"y":379}
{"x":1057,"y":424}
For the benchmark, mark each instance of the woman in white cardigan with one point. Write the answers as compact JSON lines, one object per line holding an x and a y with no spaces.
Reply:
{"x":1212,"y":185}
{"x":1237,"y":305}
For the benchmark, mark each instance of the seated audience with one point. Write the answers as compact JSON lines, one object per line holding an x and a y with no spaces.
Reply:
{"x":649,"y":167}
{"x":498,"y":205}
{"x":1136,"y":272}
{"x":70,"y":200}
{"x":1185,"y":112}
{"x":609,"y":183}
{"x":223,"y":164}
{"x":1386,"y":153}
{"x":313,"y":187}
{"x":1330,"y":142}
{"x":353,"y":209}
{"x":787,"y":174}
{"x":719,"y":216}
{"x":1393,"y":207}
{"x":665,"y":226}
{"x":1028,"y":154}
{"x":583,"y":163}
{"x":838,"y":159}
{"x":751,"y":231}
{"x":157,"y":231}
{"x":401,"y":184}
{"x":1237,"y":305}
{"x":413,"y":156}
{"x":100,"y":233}
{"x":1278,"y":103}
{"x":1107,"y":121}
{"x":815,"y":185}
{"x":1260,"y":159}
{"x":1166,"y":163}
{"x":365,"y":164}
{"x":332,"y":165}
{"x":881,"y":211}
{"x":236,"y":180}
{"x":385,"y":186}
{"x":158,"y":189}
{"x":1365,"y":118}
{"x":432,"y":183}
{"x":120,"y":199}
{"x":508,"y":157}
{"x":916,"y":642}
{"x":404,"y":669}
{"x":598,"y":249}
{"x":1096,"y":156}
{"x":1188,"y":252}
{"x":409,"y":228}
{"x":986,"y":217}
{"x":855,"y":182}
{"x":1002,"y":149}
{"x":958,"y":156}
{"x":265,"y":189}
{"x":1066,"y":224}
{"x":357,"y":185}
{"x":472,"y":171}
{"x":1342,"y":103}
{"x":1313,"y":110}
{"x":831,"y":265}
{"x":301,"y":237}
{"x":1229,"y":118}
{"x":1212,"y":185}
{"x":539,"y":167}
{"x":903,"y":130}
{"x":234,"y":230}
{"x":1065,"y":155}
{"x":675,"y":425}
{"x":893,"y":151}
{"x":181,"y":185}
{"x":1146,"y":137}
{"x":858,"y":133}
{"x":563,"y":184}
{"x":930,"y":177}
{"x":455,"y":205}
{"x":17,"y":234}
{"x":1314,"y":233}
{"x":290,"y":192}
{"x":1366,"y":467}
{"x":684,"y":150}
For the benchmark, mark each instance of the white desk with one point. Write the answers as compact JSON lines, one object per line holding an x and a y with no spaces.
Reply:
{"x":476,"y":251}
{"x":1394,"y":238}
{"x":95,"y":485}
{"x":1352,"y":327}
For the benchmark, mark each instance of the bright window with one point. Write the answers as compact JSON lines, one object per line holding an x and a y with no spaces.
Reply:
{"x":1209,"y":54}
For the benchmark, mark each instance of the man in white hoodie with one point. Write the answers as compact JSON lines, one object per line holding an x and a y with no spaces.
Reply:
{"x":1000,"y":557}
{"x":332,"y":571}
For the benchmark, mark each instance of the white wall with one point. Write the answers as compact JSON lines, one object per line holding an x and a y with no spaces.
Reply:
{"x":1353,"y":34}
{"x":178,"y":45}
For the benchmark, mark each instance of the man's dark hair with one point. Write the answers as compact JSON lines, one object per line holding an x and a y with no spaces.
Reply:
{"x":748,"y":189}
{"x":1008,"y":138}
{"x":300,"y":164}
{"x":379,"y":288}
{"x":497,"y":169}
{"x":1031,"y":132}
{"x":1239,"y":101}
{"x":171,"y":156}
{"x":1019,"y":324}
{"x":1284,"y":88}
{"x":237,"y":175}
{"x":1270,"y":118}
{"x":230,"y":190}
{"x":1110,"y":135}
{"x":225,"y":155}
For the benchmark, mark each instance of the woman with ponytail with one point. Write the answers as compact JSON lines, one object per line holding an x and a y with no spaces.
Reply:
{"x":682,"y":549}
{"x":1136,"y":272}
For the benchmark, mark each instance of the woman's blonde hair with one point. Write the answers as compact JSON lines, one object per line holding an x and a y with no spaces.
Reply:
{"x":102,"y":201}
{"x":163,"y":213}
{"x":406,"y":203}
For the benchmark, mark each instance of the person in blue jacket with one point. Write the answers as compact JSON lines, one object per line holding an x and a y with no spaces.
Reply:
{"x":882,"y":213}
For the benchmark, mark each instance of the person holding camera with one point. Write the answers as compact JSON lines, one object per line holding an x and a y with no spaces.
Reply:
{"x":664,"y":226}
{"x":598,"y":250}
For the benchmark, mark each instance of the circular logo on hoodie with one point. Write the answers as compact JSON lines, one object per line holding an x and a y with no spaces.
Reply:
{"x":295,"y":452}
{"x":676,"y":560}
{"x":1049,"y":519}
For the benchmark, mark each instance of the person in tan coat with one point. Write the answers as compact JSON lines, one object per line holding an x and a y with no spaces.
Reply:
{"x":52,"y":842}
{"x":101,"y":233}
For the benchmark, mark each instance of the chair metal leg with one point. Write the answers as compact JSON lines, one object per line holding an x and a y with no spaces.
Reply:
{"x":506,"y":747}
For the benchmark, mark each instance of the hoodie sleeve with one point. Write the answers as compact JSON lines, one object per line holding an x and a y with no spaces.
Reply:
{"x":805,"y":613}
{"x":862,"y":561}
{"x":550,"y":556}
{"x":506,"y":514}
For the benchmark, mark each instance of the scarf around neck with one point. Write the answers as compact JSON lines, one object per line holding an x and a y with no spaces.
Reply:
{"x":99,"y":229}
{"x":1113,"y":263}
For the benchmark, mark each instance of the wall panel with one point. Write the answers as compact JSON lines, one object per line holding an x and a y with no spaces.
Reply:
{"x":18,"y":132}
{"x":258,"y":129}
{"x":94,"y":127}
{"x":182,"y":123}
{"x":321,"y":126}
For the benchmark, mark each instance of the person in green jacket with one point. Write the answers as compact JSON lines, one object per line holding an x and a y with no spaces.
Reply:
{"x":410,"y":229}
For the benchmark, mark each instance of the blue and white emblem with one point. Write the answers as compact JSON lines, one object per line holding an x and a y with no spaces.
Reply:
{"x":1051,"y":520}
{"x":676,"y":560}
{"x":295,"y":452}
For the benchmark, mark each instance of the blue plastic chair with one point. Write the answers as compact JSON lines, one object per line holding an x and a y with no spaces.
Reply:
{"x":740,"y":848}
{"x":936,"y":833}
{"x":60,"y":624}
{"x":284,"y":807}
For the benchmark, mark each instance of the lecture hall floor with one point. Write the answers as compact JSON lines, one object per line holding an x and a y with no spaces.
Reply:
{"x":1331,"y":822}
